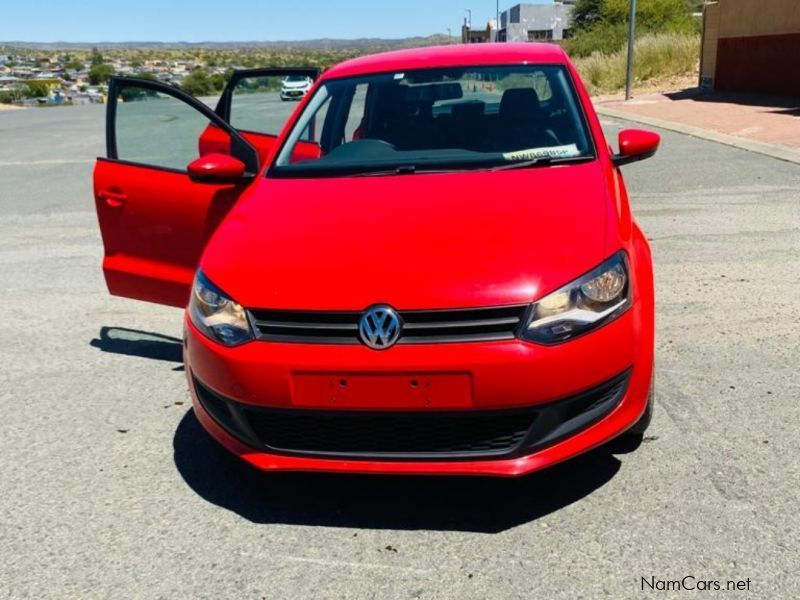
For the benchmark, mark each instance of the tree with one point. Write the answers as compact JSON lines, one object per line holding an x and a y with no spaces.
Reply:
{"x":200,"y":83}
{"x":100,"y":74}
{"x":602,"y":25}
{"x":587,"y":13}
{"x":74,"y":65}
{"x":97,"y":57}
{"x":36,"y":89}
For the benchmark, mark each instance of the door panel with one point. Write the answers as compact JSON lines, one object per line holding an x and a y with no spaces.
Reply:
{"x":154,"y":220}
{"x":213,"y":139}
{"x":259,"y":102}
{"x":155,"y":224}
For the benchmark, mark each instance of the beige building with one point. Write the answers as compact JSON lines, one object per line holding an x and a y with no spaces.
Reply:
{"x":751,"y":46}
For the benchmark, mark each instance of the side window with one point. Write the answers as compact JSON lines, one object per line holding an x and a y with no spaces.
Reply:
{"x":355,"y":118}
{"x":542,"y":86}
{"x":264,"y":104}
{"x":313,"y":131}
{"x":154,"y":128}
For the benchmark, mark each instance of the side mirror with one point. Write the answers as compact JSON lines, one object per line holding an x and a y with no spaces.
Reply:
{"x":635,"y":144}
{"x":216,"y":168}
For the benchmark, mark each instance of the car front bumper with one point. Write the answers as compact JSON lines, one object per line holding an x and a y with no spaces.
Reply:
{"x":293,"y":94}
{"x":504,"y":378}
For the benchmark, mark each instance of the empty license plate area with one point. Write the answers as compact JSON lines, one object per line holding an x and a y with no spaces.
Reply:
{"x":395,"y":391}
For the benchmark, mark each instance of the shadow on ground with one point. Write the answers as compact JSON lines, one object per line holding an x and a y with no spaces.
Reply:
{"x":775,"y":104}
{"x":132,"y":342}
{"x":475,"y":504}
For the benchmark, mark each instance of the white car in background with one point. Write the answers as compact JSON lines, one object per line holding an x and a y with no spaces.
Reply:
{"x":295,"y":87}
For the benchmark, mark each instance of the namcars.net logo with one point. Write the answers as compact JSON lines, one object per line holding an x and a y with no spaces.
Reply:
{"x":691,"y":583}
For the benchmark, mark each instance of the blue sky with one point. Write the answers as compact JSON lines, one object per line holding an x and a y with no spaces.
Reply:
{"x":232,"y":20}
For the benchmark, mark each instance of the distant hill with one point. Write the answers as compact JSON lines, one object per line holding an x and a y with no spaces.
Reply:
{"x":323,"y":44}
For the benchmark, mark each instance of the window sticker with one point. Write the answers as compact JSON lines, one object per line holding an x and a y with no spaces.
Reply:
{"x":544,"y":152}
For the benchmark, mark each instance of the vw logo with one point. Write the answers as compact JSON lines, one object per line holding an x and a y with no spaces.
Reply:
{"x":379,"y":327}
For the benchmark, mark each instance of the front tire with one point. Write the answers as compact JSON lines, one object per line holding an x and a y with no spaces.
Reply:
{"x":643,"y":423}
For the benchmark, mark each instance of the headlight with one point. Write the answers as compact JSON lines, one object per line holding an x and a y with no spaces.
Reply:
{"x":598,"y":297}
{"x":217,"y":315}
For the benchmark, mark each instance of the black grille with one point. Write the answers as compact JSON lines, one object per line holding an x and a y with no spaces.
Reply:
{"x":378,"y":433}
{"x":414,"y":435}
{"x":419,"y":326}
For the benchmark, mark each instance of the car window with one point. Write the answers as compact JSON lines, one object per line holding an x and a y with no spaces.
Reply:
{"x":264,"y":104}
{"x":447,"y":118}
{"x":157,"y":129}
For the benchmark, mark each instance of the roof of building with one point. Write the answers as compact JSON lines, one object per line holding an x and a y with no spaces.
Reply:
{"x":456,"y":55}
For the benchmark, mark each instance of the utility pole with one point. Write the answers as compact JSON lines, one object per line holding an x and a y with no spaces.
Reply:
{"x":497,"y":21}
{"x":631,"y":33}
{"x":449,"y":36}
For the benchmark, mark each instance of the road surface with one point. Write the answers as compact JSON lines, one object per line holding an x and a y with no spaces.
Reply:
{"x":110,"y":489}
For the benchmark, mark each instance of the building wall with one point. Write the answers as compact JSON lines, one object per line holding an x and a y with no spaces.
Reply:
{"x":752,"y":46}
{"x":521,"y":19}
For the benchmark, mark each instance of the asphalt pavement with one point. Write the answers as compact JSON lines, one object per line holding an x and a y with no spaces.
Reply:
{"x":109,"y":488}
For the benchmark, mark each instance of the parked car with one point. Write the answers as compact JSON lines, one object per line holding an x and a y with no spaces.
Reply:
{"x":432,"y":268}
{"x":295,"y":87}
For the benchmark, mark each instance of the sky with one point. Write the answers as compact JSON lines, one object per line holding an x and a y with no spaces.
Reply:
{"x":233,"y":20}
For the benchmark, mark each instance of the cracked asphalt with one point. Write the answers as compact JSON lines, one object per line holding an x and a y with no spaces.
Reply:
{"x":110,"y":489}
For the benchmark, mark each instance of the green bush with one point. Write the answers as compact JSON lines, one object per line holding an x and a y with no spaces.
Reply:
{"x":100,"y":74}
{"x":36,"y":89}
{"x":602,"y":25}
{"x":602,"y":37}
{"x":656,"y":55}
{"x":201,"y":83}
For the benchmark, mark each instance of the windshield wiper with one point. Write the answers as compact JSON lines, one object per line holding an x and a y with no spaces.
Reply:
{"x":402,"y":170}
{"x":541,"y":160}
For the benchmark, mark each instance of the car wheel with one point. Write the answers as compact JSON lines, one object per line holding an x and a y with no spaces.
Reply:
{"x":643,"y":423}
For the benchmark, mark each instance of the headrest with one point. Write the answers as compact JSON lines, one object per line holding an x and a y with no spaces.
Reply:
{"x":520,"y":102}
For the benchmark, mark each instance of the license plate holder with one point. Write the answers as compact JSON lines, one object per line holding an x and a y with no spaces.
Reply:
{"x":432,"y":391}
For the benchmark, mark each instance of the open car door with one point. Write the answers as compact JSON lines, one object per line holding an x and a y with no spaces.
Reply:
{"x":258,"y":103}
{"x":158,"y":200}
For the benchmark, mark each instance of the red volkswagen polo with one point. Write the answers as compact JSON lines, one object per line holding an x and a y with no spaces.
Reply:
{"x":428,"y":266}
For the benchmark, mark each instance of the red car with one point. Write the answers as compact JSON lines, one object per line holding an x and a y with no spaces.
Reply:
{"x":428,"y":266}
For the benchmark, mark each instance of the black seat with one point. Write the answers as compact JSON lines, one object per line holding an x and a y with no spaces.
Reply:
{"x":467,"y":124}
{"x":522,"y":121}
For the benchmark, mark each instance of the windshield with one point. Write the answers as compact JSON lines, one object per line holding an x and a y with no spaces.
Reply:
{"x":437,"y":119}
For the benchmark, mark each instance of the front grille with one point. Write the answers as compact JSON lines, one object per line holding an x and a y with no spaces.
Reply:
{"x":418,"y":326}
{"x":417,"y":435}
{"x":377,"y":433}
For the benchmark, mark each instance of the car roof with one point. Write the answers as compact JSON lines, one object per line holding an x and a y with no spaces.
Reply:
{"x":455,"y":55}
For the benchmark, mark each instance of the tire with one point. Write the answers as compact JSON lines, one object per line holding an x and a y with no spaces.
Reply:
{"x":643,"y":423}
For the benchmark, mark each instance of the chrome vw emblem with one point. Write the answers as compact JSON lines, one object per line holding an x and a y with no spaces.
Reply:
{"x":379,"y":327}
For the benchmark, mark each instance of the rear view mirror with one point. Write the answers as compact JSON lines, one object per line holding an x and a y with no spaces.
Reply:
{"x":433,"y":92}
{"x":636,"y":144}
{"x":216,"y":168}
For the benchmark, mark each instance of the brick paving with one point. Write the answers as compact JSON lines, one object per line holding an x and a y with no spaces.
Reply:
{"x":766,"y":119}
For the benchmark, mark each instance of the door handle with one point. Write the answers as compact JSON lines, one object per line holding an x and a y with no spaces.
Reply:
{"x":112,"y":198}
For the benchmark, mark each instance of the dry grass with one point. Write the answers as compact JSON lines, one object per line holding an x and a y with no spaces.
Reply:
{"x":657,"y":56}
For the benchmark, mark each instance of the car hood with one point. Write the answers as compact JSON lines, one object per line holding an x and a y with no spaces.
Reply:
{"x":412,"y":241}
{"x":295,"y":85}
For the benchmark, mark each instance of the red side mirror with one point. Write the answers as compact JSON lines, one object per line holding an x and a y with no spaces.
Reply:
{"x":216,"y":168}
{"x":636,"y":144}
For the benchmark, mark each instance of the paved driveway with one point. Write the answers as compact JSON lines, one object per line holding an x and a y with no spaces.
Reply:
{"x":109,"y":488}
